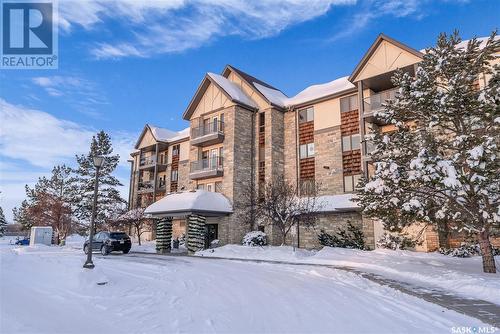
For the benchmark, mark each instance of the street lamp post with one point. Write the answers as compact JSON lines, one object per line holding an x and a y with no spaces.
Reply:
{"x":98,"y":162}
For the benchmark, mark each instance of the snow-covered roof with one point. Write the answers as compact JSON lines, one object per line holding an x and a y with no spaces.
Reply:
{"x":275,"y":96}
{"x":180,"y":135}
{"x":336,"y":203}
{"x":162,"y":134}
{"x":232,"y":90}
{"x":315,"y":92}
{"x":200,"y":202}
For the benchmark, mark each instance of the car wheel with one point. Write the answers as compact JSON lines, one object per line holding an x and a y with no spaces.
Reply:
{"x":86,"y":249}
{"x":104,"y":250}
{"x":125,"y":251}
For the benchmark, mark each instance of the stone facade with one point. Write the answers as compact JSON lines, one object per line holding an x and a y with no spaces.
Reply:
{"x":328,"y":155}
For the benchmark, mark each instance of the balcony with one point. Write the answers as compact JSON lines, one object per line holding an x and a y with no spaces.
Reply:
{"x":151,"y":162}
{"x":374,"y":103}
{"x":148,"y":187}
{"x":208,"y":134}
{"x":206,"y":168}
{"x":145,"y":187}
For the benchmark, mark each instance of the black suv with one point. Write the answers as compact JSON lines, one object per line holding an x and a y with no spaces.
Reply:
{"x":107,"y":242}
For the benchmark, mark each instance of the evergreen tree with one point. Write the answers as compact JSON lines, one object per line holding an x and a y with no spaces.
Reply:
{"x":48,"y":203}
{"x":83,"y":183}
{"x":22,"y":216}
{"x":3,"y":223}
{"x":440,"y":166}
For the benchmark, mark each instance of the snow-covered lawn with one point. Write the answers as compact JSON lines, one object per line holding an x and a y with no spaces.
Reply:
{"x":45,"y":290}
{"x":460,"y":276}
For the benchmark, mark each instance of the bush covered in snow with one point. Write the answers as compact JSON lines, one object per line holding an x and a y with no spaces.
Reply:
{"x":395,"y":241}
{"x":255,"y":238}
{"x":466,"y":250}
{"x":349,"y":237}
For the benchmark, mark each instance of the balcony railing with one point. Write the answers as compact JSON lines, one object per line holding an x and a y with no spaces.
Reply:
{"x":376,"y":101}
{"x":210,"y":167}
{"x":214,"y":127}
{"x":151,"y":161}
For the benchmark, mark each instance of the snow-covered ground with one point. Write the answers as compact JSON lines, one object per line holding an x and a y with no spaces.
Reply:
{"x":460,"y":276}
{"x":45,"y":290}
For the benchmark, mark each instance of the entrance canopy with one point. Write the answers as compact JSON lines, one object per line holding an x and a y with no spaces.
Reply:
{"x":201,"y":202}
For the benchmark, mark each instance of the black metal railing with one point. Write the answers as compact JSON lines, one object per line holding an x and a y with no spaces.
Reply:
{"x":207,"y":128}
{"x":210,"y":164}
{"x":145,"y":185}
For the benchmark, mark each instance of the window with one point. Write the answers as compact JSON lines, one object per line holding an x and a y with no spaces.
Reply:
{"x":307,"y":150}
{"x":307,"y":186}
{"x":306,"y":115}
{"x":174,"y":175}
{"x":201,"y":187}
{"x":175,"y":150}
{"x":262,"y":122}
{"x":210,"y":187}
{"x":218,"y":187}
{"x":350,"y":143}
{"x":349,"y":103}
{"x":350,"y":182}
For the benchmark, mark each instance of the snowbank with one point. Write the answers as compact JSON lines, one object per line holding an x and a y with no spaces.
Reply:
{"x":461,"y":276}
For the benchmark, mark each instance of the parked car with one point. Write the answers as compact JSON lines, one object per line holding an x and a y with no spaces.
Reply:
{"x":107,"y":242}
{"x":22,"y":242}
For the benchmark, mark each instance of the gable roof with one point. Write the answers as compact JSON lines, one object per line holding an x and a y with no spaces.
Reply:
{"x":271,"y":94}
{"x":162,"y":135}
{"x":373,"y":48}
{"x":228,"y":88}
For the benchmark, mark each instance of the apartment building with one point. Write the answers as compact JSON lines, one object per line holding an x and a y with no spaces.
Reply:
{"x":243,"y":132}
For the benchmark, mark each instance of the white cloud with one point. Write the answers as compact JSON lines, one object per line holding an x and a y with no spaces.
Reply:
{"x":44,"y":140}
{"x":33,"y":141}
{"x":370,"y":10}
{"x":169,"y":26}
{"x":81,"y":94}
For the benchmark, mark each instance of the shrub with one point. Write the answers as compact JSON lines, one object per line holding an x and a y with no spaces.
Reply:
{"x":349,"y":237}
{"x":466,"y":250}
{"x":255,"y":238}
{"x":394,"y":242}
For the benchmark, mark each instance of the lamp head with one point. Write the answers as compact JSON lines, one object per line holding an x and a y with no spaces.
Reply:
{"x":98,"y":161}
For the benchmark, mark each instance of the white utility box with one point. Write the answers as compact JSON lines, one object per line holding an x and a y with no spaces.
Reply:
{"x":41,"y":235}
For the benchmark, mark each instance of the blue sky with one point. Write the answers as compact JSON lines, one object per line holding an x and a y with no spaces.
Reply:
{"x":126,"y":63}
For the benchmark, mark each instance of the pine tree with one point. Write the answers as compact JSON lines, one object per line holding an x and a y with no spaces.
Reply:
{"x":22,"y":216}
{"x":3,"y":223}
{"x":48,"y":203}
{"x":83,"y":183}
{"x":440,"y":166}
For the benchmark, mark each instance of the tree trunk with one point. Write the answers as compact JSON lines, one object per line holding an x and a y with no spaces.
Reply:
{"x":487,"y":253}
{"x":138,"y":235}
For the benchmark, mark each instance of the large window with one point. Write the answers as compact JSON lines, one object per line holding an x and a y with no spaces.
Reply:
{"x":349,"y":103}
{"x":262,"y":122}
{"x":350,"y":182}
{"x":350,"y":143}
{"x":174,"y":175}
{"x":307,"y":150}
{"x":306,"y":115}
{"x":175,"y":150}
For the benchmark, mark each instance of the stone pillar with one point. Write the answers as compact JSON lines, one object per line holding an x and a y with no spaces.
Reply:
{"x":164,"y":235}
{"x":195,"y":233}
